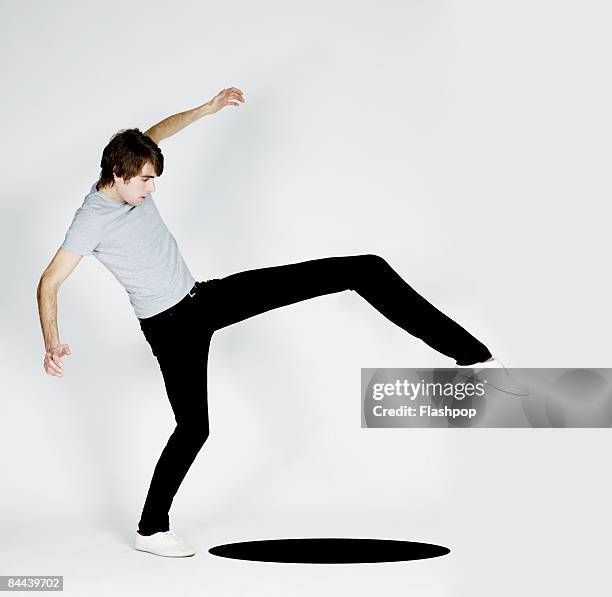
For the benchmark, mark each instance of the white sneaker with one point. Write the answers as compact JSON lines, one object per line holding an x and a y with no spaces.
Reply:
{"x":496,"y":376}
{"x":164,"y":543}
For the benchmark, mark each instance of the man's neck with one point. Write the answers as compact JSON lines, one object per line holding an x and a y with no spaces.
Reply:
{"x":110,"y":192}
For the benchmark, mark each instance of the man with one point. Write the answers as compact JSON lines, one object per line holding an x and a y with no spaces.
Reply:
{"x":119,"y":224}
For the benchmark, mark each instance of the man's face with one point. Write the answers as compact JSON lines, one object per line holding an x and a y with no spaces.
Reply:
{"x":135,"y":190}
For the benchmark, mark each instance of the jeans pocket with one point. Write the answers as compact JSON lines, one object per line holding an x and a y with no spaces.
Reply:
{"x":171,"y":333}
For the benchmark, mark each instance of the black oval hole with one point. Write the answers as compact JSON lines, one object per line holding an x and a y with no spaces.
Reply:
{"x":328,"y":550}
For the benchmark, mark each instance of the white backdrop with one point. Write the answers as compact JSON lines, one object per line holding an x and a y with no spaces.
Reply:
{"x":468,"y":143}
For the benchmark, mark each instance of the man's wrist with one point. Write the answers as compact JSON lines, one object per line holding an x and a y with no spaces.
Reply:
{"x":205,"y":109}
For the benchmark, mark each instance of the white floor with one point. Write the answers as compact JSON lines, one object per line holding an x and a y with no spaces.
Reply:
{"x":497,"y":549}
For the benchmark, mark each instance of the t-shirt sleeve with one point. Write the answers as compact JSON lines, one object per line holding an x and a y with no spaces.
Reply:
{"x":85,"y":231}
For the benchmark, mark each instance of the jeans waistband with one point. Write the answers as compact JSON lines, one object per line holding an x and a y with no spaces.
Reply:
{"x":175,"y":308}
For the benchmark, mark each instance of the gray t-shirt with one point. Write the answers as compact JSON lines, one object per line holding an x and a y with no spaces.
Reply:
{"x":135,"y":245}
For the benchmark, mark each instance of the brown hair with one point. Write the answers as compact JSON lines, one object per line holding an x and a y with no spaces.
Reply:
{"x":126,"y":153}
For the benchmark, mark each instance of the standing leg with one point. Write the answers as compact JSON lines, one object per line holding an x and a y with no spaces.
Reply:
{"x":245,"y":294}
{"x":183,"y":357}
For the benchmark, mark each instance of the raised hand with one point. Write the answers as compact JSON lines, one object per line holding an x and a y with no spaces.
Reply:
{"x":232,"y":96}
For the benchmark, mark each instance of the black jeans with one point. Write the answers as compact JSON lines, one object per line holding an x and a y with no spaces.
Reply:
{"x":180,"y":337}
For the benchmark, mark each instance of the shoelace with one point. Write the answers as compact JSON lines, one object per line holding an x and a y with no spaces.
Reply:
{"x":173,"y":535}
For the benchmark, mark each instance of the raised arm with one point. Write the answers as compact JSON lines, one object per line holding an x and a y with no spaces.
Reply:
{"x":173,"y":124}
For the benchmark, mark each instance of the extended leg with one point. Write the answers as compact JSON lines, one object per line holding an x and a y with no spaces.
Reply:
{"x":245,"y":294}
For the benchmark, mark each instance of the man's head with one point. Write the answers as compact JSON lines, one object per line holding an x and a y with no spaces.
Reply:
{"x":130,"y":162}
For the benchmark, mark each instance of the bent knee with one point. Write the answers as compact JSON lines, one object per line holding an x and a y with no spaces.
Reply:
{"x":372,"y":261}
{"x":363,"y":269}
